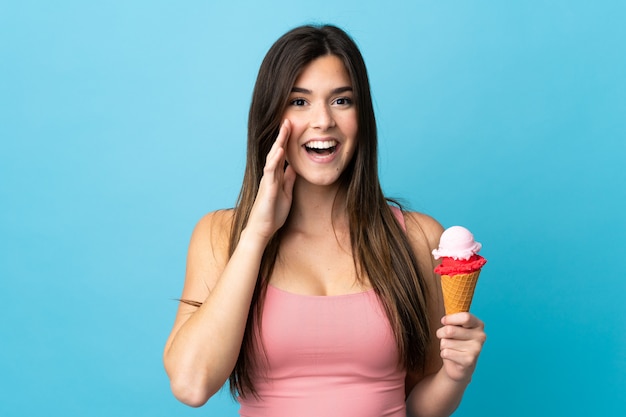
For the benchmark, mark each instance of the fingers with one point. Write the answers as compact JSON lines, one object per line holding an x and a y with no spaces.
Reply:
{"x":461,"y":341}
{"x":288,"y":181}
{"x":466,"y":320}
{"x":284,"y":133}
{"x":276,"y":156}
{"x":462,"y":326}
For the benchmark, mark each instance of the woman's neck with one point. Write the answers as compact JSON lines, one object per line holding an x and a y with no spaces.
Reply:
{"x":318,"y":208}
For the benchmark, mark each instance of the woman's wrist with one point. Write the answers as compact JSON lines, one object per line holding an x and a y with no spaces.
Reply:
{"x":453,"y":383}
{"x":251,"y":241}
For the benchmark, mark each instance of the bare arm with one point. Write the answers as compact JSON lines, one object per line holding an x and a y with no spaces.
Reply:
{"x":204,"y":344}
{"x":452,"y":356}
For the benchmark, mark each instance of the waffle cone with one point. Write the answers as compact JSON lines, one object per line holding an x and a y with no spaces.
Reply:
{"x":458,"y":291}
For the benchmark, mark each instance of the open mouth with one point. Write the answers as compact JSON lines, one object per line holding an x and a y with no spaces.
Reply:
{"x":321,"y":147}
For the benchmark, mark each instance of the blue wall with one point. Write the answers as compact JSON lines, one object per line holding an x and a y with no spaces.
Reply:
{"x":121,"y":123}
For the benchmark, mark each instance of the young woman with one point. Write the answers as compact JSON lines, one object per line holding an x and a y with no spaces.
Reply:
{"x":315,"y":296}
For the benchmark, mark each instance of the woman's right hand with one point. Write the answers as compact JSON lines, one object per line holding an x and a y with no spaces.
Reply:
{"x":273,"y":201}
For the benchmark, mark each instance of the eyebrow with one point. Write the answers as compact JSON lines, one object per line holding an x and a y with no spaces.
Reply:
{"x":338,"y":90}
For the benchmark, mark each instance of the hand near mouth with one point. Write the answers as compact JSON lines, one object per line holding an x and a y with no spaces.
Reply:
{"x":273,"y":201}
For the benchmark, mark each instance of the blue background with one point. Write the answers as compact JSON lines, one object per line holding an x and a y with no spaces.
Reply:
{"x":123,"y":122}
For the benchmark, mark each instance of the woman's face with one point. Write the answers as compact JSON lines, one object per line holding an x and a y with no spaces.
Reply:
{"x":323,"y":119}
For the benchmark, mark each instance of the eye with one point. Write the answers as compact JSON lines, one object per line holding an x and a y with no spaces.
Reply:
{"x":297,"y":102}
{"x":343,"y":101}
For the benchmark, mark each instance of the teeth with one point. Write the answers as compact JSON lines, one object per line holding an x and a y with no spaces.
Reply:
{"x":321,"y":144}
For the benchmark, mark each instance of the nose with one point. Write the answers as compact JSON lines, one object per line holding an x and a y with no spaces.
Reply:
{"x":322,"y":117}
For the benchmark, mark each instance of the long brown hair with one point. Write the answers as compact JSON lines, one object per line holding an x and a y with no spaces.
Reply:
{"x":379,"y":244}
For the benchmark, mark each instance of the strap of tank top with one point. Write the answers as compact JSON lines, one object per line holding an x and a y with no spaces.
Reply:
{"x":398,"y":213}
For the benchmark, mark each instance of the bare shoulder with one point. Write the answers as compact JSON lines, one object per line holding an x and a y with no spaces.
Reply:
{"x":424,"y":233}
{"x":423,"y":230}
{"x":214,"y":227}
{"x":208,"y":252}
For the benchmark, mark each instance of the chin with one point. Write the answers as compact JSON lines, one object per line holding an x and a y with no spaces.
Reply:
{"x":320,"y":181}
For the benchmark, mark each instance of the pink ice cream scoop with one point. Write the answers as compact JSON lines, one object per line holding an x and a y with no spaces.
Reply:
{"x":457,"y":242}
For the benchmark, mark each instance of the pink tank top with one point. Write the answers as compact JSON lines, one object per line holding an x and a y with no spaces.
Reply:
{"x":327,"y":356}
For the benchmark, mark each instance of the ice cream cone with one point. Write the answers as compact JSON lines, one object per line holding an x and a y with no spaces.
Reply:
{"x":458,"y":291}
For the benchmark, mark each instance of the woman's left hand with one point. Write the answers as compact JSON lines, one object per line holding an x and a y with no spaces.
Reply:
{"x":461,"y":341}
